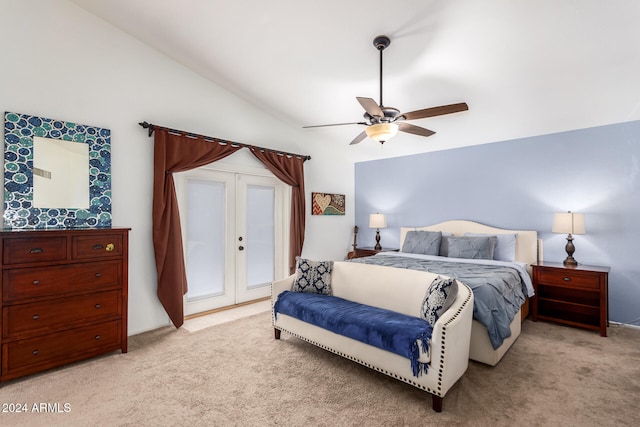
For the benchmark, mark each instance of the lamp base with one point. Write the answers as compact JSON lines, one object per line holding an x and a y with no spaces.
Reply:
{"x":378,"y":247}
{"x":570,"y":248}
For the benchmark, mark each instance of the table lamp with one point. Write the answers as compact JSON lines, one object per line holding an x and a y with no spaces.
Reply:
{"x":377,"y":221}
{"x":569,"y":223}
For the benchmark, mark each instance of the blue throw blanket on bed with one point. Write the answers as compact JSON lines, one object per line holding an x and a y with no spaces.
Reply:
{"x":385,"y":329}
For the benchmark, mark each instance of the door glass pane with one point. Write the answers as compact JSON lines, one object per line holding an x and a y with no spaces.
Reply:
{"x":205,"y":238}
{"x":260,"y":235}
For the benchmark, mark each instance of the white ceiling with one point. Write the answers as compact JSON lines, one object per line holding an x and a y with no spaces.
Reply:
{"x":524,"y":67}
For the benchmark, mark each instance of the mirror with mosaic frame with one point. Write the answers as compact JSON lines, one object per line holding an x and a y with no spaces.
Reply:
{"x":57,"y":174}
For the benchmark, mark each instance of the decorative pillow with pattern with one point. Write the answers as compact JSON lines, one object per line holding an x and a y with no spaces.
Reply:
{"x":439,"y":297}
{"x":313,"y":276}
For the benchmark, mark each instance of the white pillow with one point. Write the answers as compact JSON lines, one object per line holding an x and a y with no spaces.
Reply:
{"x":505,"y":249}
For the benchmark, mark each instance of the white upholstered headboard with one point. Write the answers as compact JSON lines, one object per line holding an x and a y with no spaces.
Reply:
{"x":526,"y":240}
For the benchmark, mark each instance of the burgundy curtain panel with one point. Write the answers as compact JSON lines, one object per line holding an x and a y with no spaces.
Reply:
{"x":175,"y":152}
{"x":290,"y":170}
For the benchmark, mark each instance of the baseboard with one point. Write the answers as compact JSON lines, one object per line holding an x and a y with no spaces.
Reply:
{"x":624,"y":325}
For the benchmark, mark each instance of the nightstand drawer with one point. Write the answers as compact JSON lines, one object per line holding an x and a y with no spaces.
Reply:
{"x":569,"y":278}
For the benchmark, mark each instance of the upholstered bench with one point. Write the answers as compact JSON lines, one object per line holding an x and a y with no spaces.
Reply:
{"x":417,"y":297}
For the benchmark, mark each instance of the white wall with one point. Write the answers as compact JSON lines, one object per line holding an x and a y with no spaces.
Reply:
{"x":329,"y":171}
{"x":58,"y":61}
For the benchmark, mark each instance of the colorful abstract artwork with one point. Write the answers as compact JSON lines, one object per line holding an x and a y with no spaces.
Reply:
{"x":19,"y":210}
{"x":327,"y":204}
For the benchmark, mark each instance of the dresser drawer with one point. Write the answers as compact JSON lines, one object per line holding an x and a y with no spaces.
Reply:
{"x":34,"y":249}
{"x":35,"y":354}
{"x":97,"y":246}
{"x":39,"y":282}
{"x":44,"y":316}
{"x":568,"y":278}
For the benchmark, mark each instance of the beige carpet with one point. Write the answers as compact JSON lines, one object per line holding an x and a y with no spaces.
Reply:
{"x":236,"y":374}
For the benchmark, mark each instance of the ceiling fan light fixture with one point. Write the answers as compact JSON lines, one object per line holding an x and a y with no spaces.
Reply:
{"x":382,"y":132}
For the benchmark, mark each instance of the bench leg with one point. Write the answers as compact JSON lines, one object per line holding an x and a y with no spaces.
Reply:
{"x":276,"y":333}
{"x":437,"y":403}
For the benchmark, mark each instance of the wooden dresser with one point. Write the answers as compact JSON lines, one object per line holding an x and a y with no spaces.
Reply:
{"x":64,"y":297}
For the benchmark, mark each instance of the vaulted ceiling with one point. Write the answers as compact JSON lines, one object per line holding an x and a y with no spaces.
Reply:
{"x":524,"y":68}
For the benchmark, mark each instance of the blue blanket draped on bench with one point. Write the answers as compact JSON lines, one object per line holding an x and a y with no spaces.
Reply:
{"x":385,"y":329}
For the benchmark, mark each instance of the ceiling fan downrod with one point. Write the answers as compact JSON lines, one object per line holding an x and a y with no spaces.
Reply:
{"x":381,"y":43}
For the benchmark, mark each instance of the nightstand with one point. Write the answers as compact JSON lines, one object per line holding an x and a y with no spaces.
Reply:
{"x":575,"y":296}
{"x":363,"y":252}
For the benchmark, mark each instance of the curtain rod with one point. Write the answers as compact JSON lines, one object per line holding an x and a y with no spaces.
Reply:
{"x":153,"y":127}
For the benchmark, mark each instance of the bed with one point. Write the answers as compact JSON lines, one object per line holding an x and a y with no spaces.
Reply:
{"x":501,"y":285}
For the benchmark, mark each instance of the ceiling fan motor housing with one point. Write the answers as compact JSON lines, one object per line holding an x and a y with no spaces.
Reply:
{"x":390,"y":115}
{"x":381,"y":42}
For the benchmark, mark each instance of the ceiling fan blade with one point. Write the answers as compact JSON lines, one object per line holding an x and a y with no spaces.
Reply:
{"x":416,"y":130}
{"x":335,"y":124}
{"x":436,"y":111}
{"x":370,"y":106}
{"x":362,"y":135}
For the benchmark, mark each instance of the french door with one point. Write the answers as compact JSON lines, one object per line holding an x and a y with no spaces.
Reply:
{"x":235,"y":238}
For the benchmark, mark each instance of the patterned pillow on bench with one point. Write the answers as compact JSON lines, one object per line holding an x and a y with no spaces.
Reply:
{"x":439,"y":297}
{"x":313,"y":276}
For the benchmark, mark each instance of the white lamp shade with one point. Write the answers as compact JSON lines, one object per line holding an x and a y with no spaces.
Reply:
{"x":377,"y":220}
{"x":382,"y":132}
{"x":568,"y":223}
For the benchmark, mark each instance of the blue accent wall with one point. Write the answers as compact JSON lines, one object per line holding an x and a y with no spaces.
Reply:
{"x":520,"y":184}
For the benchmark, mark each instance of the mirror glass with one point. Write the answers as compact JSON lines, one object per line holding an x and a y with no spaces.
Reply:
{"x":60,"y":174}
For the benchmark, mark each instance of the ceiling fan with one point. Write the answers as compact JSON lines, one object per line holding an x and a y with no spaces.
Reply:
{"x":383,"y":123}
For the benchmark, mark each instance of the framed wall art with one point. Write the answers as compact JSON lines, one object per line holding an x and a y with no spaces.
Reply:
{"x":327,"y":204}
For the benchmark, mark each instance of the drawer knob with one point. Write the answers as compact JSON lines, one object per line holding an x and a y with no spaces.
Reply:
{"x":36,"y":251}
{"x":110,"y":247}
{"x":97,"y":337}
{"x":98,"y":274}
{"x":98,"y":306}
{"x":567,"y":279}
{"x":36,"y":317}
{"x":36,"y":282}
{"x":35,"y":352}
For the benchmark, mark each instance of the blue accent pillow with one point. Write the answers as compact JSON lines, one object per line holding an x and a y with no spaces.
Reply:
{"x":471,"y":247}
{"x":422,"y":242}
{"x":312,"y":276}
{"x":439,"y":297}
